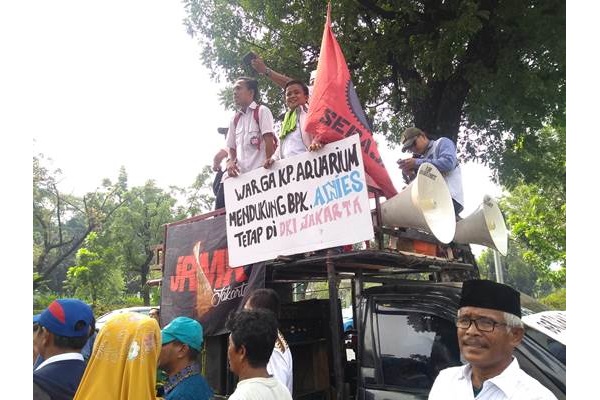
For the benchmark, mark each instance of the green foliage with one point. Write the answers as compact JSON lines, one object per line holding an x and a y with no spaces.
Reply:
{"x":95,"y":277}
{"x":137,"y":227}
{"x":556,"y":300}
{"x":519,"y":273}
{"x":102,"y":307}
{"x":197,"y":198}
{"x":538,"y":158}
{"x":41,"y":300}
{"x":490,"y":67}
{"x":105,"y":239}
{"x":538,"y":221}
{"x":320,"y":290}
{"x":535,"y":208}
{"x":61,"y":222}
{"x":155,"y":295}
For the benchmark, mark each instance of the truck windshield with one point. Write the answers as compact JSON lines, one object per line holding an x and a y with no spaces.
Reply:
{"x":414,"y":346}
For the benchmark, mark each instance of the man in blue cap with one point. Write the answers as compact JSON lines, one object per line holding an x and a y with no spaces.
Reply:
{"x":59,"y":334}
{"x":181,"y":344}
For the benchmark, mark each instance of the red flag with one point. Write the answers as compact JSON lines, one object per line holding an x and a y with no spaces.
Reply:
{"x":335,"y":111}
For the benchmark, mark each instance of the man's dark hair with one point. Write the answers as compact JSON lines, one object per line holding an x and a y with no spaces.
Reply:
{"x":192,"y":353}
{"x":256,"y":330}
{"x":265,"y":298}
{"x":251,"y":84}
{"x":297,"y":82}
{"x":77,"y":342}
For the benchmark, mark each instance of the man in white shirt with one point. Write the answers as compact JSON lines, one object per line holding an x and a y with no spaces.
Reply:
{"x":489,"y":327}
{"x":250,"y":138}
{"x":251,"y":341}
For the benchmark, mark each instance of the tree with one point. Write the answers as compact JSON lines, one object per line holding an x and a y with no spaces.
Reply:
{"x":494,"y":68}
{"x":538,"y":222}
{"x":61,"y":222}
{"x":96,"y":276}
{"x":518,"y":272}
{"x":197,"y":198}
{"x":538,"y":158}
{"x":535,"y":208}
{"x":137,"y":227}
{"x":556,"y":300}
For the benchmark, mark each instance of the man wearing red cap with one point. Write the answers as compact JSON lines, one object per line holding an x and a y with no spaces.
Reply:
{"x":489,"y":328}
{"x":59,"y":334}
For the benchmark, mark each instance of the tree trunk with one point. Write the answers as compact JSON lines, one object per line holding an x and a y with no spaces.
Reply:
{"x":144,"y":271}
{"x":441,"y":114}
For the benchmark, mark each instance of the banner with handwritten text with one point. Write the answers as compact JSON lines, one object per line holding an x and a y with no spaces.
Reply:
{"x":308,"y":202}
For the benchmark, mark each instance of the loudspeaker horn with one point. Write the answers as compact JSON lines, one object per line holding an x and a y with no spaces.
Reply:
{"x":485,"y":226}
{"x":425,"y":204}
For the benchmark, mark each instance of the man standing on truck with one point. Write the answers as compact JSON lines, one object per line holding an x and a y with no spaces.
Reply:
{"x":250,"y":138}
{"x":251,"y":341}
{"x":441,"y":153}
{"x":489,"y":328}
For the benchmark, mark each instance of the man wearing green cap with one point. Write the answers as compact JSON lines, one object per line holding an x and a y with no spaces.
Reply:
{"x":181,"y":344}
{"x":441,"y":153}
{"x":489,"y":328}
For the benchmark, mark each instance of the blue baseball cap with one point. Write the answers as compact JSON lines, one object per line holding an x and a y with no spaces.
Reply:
{"x":185,"y":330}
{"x":62,"y":315}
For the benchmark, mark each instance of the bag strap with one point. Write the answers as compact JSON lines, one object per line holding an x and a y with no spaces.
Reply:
{"x":238,"y":115}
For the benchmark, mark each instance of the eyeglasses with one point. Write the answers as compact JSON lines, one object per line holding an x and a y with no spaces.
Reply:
{"x":482,"y":324}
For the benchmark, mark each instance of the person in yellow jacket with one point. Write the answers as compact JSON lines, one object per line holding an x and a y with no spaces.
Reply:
{"x":124,"y":360}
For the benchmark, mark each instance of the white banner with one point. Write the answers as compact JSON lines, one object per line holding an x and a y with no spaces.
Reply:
{"x":308,"y":202}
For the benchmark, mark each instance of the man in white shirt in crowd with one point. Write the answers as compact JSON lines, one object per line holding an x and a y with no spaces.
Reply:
{"x":489,"y":328}
{"x":251,"y":341}
{"x":250,"y":138}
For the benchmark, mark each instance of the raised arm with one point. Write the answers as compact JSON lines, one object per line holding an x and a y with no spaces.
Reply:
{"x":259,"y":65}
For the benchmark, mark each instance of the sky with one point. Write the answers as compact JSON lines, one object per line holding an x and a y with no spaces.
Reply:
{"x":100,"y":84}
{"x":123,"y":85}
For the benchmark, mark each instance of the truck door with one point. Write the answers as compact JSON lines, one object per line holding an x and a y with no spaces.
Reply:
{"x":405,"y":345}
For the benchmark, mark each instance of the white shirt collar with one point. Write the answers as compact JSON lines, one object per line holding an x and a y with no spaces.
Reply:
{"x":507,"y":378}
{"x":505,"y":381}
{"x":61,"y":357}
{"x":252,"y":106}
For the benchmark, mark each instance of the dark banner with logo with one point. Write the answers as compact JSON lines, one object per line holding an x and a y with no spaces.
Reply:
{"x":198,"y":281}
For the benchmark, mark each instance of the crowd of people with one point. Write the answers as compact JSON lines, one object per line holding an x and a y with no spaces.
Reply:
{"x":131,"y":353}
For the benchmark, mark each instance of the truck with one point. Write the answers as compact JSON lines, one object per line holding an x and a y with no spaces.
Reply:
{"x":404,"y":293}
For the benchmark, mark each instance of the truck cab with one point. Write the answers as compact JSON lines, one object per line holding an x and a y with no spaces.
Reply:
{"x":403,"y":289}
